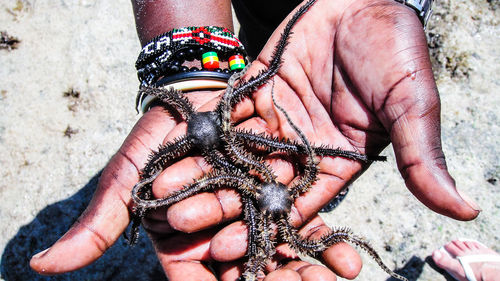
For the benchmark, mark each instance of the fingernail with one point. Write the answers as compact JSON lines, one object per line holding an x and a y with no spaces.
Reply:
{"x":469,"y":201}
{"x":39,"y":255}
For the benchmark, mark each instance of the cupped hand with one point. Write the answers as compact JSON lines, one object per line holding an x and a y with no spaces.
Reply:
{"x":356,"y":75}
{"x":183,"y":256}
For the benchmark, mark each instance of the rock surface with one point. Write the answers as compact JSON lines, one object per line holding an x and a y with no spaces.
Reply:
{"x":54,"y":141}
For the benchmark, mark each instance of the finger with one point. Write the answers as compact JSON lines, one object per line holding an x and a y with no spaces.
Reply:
{"x":416,"y":137}
{"x":156,"y":226}
{"x":243,"y":110}
{"x":322,"y":191}
{"x":188,"y":270}
{"x":412,"y":116}
{"x":343,"y":259}
{"x":178,"y":175}
{"x":183,"y":256}
{"x":283,"y":274}
{"x":284,"y":254}
{"x":230,"y":243}
{"x":422,"y":164}
{"x":311,"y":272}
{"x":316,"y":273}
{"x":107,"y":215}
{"x":403,"y":94}
{"x":218,"y":206}
{"x":195,"y":213}
{"x":230,"y":271}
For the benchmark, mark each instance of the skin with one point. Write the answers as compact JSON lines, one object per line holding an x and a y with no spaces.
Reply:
{"x":357,"y":75}
{"x":447,"y":259}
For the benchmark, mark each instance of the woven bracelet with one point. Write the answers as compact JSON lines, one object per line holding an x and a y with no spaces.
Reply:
{"x":163,"y":54}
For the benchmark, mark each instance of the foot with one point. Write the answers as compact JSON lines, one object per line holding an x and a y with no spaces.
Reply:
{"x":448,"y":259}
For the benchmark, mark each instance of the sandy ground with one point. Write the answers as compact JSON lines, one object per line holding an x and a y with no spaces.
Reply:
{"x":90,"y":46}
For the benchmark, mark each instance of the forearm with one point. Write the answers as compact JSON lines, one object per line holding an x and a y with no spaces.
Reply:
{"x":156,"y":17}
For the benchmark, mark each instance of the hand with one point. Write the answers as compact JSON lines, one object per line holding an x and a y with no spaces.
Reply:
{"x":365,"y":68}
{"x":375,"y":56}
{"x":180,"y":254}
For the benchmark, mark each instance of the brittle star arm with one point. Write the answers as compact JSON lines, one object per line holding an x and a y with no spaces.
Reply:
{"x":251,"y":220}
{"x":273,"y":144}
{"x":158,"y":160}
{"x":155,"y":165}
{"x":172,"y":97}
{"x":208,"y":182}
{"x":219,"y":161}
{"x":263,"y":77}
{"x":180,"y":146}
{"x":311,"y":169}
{"x":260,"y":245}
{"x":235,"y":149}
{"x":316,"y":246}
{"x":234,"y":95}
{"x":213,"y":180}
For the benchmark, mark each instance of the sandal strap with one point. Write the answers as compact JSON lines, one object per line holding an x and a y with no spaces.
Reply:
{"x":465,"y":261}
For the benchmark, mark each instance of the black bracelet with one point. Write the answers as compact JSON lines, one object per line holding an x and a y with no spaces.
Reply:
{"x":165,"y":54}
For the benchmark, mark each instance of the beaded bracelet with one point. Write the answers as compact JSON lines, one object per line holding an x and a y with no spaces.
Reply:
{"x":164,"y":54}
{"x":160,"y":62}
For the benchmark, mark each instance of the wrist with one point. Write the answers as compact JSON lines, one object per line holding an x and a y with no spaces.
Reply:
{"x":421,"y":8}
{"x":174,"y":53}
{"x":157,"y":17}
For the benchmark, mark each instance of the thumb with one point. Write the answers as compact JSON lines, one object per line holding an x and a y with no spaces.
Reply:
{"x":412,"y":116}
{"x":92,"y":234}
{"x":107,"y":215}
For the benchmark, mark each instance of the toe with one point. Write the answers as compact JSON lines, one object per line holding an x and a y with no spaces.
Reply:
{"x":462,"y":245}
{"x":456,"y":248}
{"x":474,"y":246}
{"x":450,"y":264}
